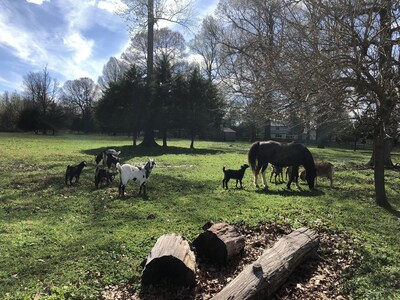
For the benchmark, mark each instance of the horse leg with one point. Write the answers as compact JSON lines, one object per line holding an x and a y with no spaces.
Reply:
{"x":263,"y":171}
{"x":256,"y":172}
{"x":295,"y":170}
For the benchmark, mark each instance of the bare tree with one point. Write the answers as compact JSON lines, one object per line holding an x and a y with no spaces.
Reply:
{"x":41,"y":89}
{"x":206,"y":44}
{"x":250,"y":42}
{"x":112,"y":71}
{"x":141,"y":14}
{"x":168,"y":46}
{"x":359,"y":41}
{"x":80,"y":95}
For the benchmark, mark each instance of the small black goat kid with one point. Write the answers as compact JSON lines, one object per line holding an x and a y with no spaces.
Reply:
{"x":234,"y":174}
{"x":102,"y":175}
{"x":74,"y":171}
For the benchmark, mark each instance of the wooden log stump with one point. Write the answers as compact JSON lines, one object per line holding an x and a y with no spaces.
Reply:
{"x":219,"y":243}
{"x":171,"y":259}
{"x":262,"y":279}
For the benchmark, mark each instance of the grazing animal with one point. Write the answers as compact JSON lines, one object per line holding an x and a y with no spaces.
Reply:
{"x":128,"y":172}
{"x":288,"y":173}
{"x":234,"y":174}
{"x":324,"y":169}
{"x":105,"y":154}
{"x":282,"y":155}
{"x":74,"y":171}
{"x":111,"y":161}
{"x":102,"y":175}
{"x":278,"y":172}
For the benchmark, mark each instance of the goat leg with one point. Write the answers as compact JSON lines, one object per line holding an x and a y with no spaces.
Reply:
{"x":121,"y":190}
{"x":144,"y":189}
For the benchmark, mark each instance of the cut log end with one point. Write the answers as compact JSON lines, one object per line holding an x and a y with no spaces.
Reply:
{"x":219,"y":243}
{"x":171,"y":260}
{"x":169,"y":269}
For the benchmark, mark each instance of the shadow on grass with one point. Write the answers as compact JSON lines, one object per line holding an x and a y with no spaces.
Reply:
{"x":292,"y":192}
{"x":129,"y":152}
{"x":393,"y":211}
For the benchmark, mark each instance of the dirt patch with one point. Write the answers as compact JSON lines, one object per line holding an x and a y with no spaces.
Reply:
{"x":319,"y":277}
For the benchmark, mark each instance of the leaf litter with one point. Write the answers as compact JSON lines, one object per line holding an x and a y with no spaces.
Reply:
{"x":321,"y":276}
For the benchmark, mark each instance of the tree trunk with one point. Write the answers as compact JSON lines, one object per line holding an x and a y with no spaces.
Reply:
{"x":219,"y":243}
{"x":385,"y":103}
{"x":263,"y":278}
{"x":164,"y":136}
{"x":148,"y":139}
{"x":192,"y":136}
{"x":171,"y":259}
{"x":379,"y":168}
{"x":387,"y":158}
{"x":134,"y":138}
{"x":253,"y":132}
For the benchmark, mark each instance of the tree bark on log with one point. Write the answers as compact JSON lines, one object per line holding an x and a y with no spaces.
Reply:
{"x":170,"y":259}
{"x":263,"y":278}
{"x":219,"y":243}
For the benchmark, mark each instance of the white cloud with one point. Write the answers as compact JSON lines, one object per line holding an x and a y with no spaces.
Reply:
{"x":14,"y":81}
{"x":38,"y":2}
{"x":109,"y":5}
{"x":80,"y":47}
{"x":23,"y":44}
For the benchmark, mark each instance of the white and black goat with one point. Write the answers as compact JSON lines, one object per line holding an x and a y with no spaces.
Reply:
{"x":74,"y":171}
{"x":233,"y":174}
{"x":140,"y":175}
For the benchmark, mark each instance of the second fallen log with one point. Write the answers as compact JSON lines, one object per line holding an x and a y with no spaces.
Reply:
{"x":219,"y":243}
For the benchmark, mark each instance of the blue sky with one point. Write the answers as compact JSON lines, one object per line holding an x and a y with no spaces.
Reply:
{"x":73,"y":38}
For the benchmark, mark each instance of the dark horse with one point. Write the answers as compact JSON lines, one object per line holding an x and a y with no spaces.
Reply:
{"x":281,"y":155}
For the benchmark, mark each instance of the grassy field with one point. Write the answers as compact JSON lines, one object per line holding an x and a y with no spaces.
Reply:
{"x":74,"y":241}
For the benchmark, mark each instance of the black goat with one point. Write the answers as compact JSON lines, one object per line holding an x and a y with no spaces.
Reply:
{"x":234,"y":174}
{"x":111,"y":161}
{"x":74,"y":171}
{"x":102,"y":175}
{"x":103,"y":155}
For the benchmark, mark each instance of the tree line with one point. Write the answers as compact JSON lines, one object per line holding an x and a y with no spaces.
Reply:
{"x":180,"y":98}
{"x":333,"y":66}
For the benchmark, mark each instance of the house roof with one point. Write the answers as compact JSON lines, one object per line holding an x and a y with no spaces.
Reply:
{"x":228,"y":130}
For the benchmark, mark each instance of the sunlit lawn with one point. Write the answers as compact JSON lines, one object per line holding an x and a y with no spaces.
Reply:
{"x":59,"y":242}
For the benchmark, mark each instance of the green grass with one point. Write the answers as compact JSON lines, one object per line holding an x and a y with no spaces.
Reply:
{"x":61,"y":242}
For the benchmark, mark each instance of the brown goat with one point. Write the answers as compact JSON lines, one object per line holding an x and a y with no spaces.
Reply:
{"x":278,"y":172}
{"x":324,"y":169}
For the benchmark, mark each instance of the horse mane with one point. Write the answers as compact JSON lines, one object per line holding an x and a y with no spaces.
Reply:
{"x":309,"y":163}
{"x":252,"y":155}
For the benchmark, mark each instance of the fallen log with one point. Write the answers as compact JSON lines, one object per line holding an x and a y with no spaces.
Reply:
{"x":171,"y":259}
{"x":219,"y":243}
{"x":271,"y":270}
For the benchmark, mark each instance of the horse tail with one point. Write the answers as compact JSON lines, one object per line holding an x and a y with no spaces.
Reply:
{"x":252,"y":156}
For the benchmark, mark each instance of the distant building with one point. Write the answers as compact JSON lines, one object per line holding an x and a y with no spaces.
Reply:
{"x":228,"y":134}
{"x":276,"y":130}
